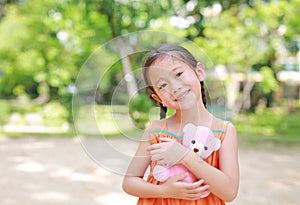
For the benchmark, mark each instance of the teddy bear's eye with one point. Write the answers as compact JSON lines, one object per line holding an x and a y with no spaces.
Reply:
{"x":193,"y":141}
{"x":205,"y":148}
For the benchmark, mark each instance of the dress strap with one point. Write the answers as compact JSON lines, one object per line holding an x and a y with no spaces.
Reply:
{"x":225,"y":125}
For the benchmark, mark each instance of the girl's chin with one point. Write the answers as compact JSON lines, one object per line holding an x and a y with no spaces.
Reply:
{"x":188,"y":104}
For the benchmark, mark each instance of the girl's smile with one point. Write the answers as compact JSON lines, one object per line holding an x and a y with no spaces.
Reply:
{"x":182,"y":95}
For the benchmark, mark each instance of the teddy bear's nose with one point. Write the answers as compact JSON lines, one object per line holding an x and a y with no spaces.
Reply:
{"x":196,"y":150}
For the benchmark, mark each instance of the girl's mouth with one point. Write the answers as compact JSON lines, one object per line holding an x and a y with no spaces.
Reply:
{"x":181,"y":95}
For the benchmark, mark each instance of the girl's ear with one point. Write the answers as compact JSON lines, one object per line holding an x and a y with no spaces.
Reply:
{"x":156,"y":98}
{"x":200,"y":71}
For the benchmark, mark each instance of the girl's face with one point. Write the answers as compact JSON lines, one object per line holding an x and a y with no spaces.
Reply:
{"x":176,"y":84}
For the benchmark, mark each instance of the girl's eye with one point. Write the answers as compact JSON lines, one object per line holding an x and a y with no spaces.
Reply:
{"x":179,"y":74}
{"x":162,"y":85}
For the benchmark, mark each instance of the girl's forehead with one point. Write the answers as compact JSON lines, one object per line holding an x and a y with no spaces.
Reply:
{"x":163,"y":69}
{"x":167,"y":63}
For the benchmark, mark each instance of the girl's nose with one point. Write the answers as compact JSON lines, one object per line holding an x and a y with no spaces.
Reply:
{"x":176,"y":86}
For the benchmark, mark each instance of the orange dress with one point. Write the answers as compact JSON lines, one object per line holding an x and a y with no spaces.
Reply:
{"x":213,"y":160}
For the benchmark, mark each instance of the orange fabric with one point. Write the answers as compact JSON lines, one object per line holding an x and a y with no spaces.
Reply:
{"x":213,"y":160}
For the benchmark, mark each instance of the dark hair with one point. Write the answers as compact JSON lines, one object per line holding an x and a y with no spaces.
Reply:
{"x":159,"y":54}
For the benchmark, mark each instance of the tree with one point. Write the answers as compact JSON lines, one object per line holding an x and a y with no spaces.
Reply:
{"x":125,"y":17}
{"x":3,"y":5}
{"x":246,"y":38}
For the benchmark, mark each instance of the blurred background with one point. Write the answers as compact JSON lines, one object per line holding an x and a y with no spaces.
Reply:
{"x":254,"y":47}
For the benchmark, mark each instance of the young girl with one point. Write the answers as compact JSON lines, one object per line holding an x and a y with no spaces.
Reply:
{"x":175,"y":80}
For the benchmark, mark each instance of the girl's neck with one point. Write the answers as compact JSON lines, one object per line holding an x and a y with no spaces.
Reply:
{"x":197,"y":116}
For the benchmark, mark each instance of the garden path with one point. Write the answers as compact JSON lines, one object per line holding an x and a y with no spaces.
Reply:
{"x":37,"y":171}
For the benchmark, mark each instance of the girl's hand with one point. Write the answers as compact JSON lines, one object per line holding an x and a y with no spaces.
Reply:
{"x":174,"y":188}
{"x":168,"y":152}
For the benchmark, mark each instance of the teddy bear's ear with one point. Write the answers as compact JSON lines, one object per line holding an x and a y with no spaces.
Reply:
{"x":187,"y":127}
{"x":188,"y":133}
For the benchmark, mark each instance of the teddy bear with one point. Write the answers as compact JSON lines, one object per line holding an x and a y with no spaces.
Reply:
{"x":201,"y":140}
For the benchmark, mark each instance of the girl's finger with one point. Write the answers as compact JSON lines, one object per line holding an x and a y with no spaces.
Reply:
{"x":205,"y":194}
{"x":162,"y":162}
{"x":154,"y":152}
{"x":200,"y":181}
{"x":153,"y":147}
{"x":165,"y":139}
{"x":197,"y":196}
{"x":178,"y":177}
{"x":196,"y":184}
{"x":158,"y":145}
{"x":156,"y":157}
{"x":200,"y":189}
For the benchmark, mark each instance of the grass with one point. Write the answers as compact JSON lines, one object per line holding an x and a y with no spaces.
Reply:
{"x":276,"y":127}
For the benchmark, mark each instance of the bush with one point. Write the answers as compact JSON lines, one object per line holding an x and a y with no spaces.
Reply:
{"x":139,"y":108}
{"x":55,"y":114}
{"x":5,"y":109}
{"x":269,"y":124}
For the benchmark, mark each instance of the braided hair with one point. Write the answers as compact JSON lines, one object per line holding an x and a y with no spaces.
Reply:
{"x":159,"y":54}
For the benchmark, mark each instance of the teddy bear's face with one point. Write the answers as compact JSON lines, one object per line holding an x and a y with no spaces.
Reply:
{"x":200,"y":139}
{"x":197,"y":147}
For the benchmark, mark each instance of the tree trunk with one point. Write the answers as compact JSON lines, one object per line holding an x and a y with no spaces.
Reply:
{"x":245,"y":102}
{"x":2,"y":9}
{"x":44,"y":93}
{"x":232,"y":89}
{"x":131,"y":84}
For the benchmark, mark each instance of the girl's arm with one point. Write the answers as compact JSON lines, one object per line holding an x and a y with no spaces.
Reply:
{"x":134,"y":184}
{"x":224,"y":182}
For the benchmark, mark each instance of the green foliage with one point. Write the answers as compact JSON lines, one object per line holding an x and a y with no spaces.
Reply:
{"x":269,"y":125}
{"x":269,"y":82}
{"x":54,"y":114}
{"x":99,"y":120}
{"x":5,"y":109}
{"x":32,"y":50}
{"x":47,"y":42}
{"x":51,"y":114}
{"x":139,"y":108}
{"x":129,"y":16}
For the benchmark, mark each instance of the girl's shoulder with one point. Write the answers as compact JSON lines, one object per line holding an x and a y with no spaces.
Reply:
{"x":154,"y":125}
{"x":222,"y":127}
{"x":159,"y":129}
{"x":220,"y":124}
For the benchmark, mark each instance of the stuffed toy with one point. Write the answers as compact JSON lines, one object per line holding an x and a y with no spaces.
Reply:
{"x":197,"y":138}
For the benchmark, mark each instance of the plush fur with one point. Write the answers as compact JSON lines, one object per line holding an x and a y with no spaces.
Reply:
{"x":197,"y":138}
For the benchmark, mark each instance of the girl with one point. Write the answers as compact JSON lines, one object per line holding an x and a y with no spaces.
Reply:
{"x":175,"y":80}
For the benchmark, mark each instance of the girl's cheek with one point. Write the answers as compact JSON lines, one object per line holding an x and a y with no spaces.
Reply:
{"x":191,"y":77}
